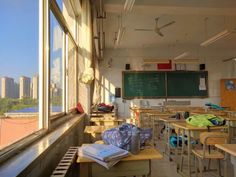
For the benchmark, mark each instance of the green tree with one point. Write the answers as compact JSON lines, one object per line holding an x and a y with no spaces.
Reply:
{"x":10,"y":104}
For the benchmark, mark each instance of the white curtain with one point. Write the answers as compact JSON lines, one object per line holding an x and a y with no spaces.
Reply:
{"x":97,"y":83}
{"x":85,"y":53}
{"x":86,"y":35}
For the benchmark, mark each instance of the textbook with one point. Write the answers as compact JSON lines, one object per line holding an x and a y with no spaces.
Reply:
{"x":103,"y":152}
{"x":107,"y":165}
{"x":105,"y":155}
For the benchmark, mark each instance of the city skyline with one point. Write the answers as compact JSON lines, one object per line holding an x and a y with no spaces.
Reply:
{"x":27,"y":87}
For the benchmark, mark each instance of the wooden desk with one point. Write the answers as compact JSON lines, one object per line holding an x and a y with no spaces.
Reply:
{"x":231,"y":122}
{"x":138,"y":113}
{"x":231,"y":149}
{"x":96,"y":131}
{"x":133,"y":165}
{"x":217,"y":113}
{"x":188,"y":130}
{"x":106,"y":121}
{"x":155,"y":117}
{"x":167,"y":121}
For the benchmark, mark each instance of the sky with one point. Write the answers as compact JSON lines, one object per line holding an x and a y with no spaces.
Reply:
{"x":19,"y":38}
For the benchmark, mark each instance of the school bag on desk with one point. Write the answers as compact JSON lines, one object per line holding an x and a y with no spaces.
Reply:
{"x":205,"y":120}
{"x":121,"y":136}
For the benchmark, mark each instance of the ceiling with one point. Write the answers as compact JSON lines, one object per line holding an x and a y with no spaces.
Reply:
{"x":191,"y":27}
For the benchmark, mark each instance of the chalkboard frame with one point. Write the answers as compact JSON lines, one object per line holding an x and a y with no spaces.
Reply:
{"x":166,"y":86}
{"x":141,"y":97}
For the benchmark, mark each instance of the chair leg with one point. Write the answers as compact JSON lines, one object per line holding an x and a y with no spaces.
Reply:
{"x":225,"y":168}
{"x":195,"y":165}
{"x":219,"y":170}
{"x":200,"y":167}
{"x":209,"y":164}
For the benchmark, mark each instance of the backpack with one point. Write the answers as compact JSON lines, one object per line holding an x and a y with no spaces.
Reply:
{"x":121,"y":136}
{"x":205,"y":120}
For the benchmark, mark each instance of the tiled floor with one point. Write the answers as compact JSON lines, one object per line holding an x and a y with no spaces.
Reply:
{"x":165,"y":168}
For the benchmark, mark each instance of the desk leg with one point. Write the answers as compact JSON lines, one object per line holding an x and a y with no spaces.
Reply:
{"x":182,"y":152}
{"x":233,"y":161}
{"x":150,"y":169}
{"x":168,"y":139}
{"x":176,"y":149}
{"x":189,"y":153}
{"x":229,"y":132}
{"x":153,"y":130}
{"x":84,"y":169}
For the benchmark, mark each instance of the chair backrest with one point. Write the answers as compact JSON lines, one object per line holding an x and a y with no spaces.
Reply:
{"x":212,"y":138}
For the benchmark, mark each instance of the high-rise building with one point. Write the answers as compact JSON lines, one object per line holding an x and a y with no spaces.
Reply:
{"x":16,"y":90}
{"x":35,"y":87}
{"x":7,"y":87}
{"x":24,"y":87}
{"x":0,"y":87}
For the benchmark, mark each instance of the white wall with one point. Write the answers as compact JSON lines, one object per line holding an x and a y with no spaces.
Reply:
{"x":115,"y":60}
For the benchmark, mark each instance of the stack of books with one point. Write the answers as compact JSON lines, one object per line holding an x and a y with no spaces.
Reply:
{"x":105,"y":155}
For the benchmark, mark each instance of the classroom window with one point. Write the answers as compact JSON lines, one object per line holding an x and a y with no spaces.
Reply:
{"x":56,"y":66}
{"x":72,"y":74}
{"x":68,"y":12}
{"x":19,"y":73}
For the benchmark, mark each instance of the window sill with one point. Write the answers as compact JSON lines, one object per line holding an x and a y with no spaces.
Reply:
{"x":17,"y":164}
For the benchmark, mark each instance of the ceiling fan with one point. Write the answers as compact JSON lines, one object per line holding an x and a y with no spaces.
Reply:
{"x":157,"y":29}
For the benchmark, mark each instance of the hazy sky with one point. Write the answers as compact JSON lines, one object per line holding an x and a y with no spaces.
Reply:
{"x":19,"y":38}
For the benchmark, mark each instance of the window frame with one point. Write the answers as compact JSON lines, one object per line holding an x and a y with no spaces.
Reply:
{"x":47,"y":122}
{"x":68,"y":34}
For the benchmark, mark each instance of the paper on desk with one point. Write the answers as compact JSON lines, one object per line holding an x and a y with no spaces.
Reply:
{"x":202,"y":85}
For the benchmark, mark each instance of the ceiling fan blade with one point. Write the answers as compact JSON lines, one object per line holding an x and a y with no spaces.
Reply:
{"x":156,"y":20}
{"x":160,"y":34}
{"x":168,"y":24}
{"x":140,"y":29}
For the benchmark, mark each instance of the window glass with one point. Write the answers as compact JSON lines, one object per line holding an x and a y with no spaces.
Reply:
{"x":71,"y":67}
{"x":19,"y":73}
{"x":56,"y":66}
{"x":60,"y":4}
{"x":68,"y":12}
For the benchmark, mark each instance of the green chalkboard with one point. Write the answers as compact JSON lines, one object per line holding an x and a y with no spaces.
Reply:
{"x":166,"y":84}
{"x":143,"y":84}
{"x":187,"y":84}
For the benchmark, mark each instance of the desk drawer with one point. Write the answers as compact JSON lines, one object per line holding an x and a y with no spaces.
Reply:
{"x":125,"y":168}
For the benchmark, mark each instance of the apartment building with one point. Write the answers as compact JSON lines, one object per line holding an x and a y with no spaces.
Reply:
{"x":35,"y":87}
{"x":7,"y":87}
{"x":24,"y":87}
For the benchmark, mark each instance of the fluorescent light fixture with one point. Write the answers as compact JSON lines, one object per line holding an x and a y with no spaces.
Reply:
{"x":120,"y":34}
{"x":215,"y":38}
{"x":183,"y":61}
{"x":181,"y":55}
{"x":229,"y":59}
{"x":129,"y":5}
{"x":163,"y":61}
{"x":155,"y":61}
